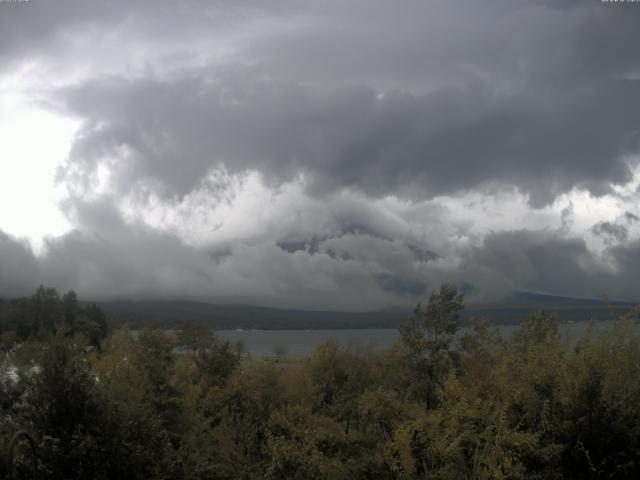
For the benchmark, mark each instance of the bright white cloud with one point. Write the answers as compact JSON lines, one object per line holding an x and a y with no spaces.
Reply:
{"x":33,"y":142}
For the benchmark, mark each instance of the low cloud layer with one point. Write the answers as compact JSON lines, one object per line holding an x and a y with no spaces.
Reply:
{"x":341,"y":252}
{"x":346,"y":155}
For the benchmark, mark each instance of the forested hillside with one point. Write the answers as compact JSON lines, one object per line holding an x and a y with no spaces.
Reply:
{"x":511,"y":310}
{"x":435,"y":405}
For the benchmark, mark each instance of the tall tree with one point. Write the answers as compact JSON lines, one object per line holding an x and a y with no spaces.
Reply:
{"x":427,"y":337}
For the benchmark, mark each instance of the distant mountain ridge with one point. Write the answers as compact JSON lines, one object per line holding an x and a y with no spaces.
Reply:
{"x":511,"y":310}
{"x":529,"y":298}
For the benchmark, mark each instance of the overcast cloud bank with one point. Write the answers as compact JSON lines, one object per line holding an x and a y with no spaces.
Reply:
{"x":334,"y":155}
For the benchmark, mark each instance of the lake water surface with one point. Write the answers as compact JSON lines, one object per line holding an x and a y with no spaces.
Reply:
{"x":300,"y":343}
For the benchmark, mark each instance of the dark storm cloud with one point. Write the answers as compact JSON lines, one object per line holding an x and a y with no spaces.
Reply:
{"x":413,"y":101}
{"x":542,"y":110}
{"x":546,"y":102}
{"x":536,"y":261}
{"x":401,"y":285}
{"x":548,"y":262}
{"x":418,"y":146}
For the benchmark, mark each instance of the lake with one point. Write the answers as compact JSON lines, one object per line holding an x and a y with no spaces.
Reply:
{"x":299,"y":343}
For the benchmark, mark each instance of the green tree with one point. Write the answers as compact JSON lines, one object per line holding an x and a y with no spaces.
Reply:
{"x":427,"y":337}
{"x":538,"y":327}
{"x":46,"y":312}
{"x":215,"y":359}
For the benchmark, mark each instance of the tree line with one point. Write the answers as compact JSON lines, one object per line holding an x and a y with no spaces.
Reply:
{"x":438,"y":404}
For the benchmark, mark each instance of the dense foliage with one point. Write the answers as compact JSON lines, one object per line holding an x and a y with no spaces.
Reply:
{"x":438,"y":404}
{"x":45,"y":313}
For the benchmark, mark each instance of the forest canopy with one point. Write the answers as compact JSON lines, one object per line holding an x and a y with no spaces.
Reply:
{"x":437,"y":404}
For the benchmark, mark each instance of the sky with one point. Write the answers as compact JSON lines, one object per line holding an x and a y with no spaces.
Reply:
{"x":333,"y":155}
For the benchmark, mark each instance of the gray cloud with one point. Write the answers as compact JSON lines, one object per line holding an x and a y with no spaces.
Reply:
{"x":543,"y":109}
{"x":401,"y":285}
{"x":630,"y":217}
{"x":417,"y":146}
{"x":548,"y":262}
{"x":18,"y":266}
{"x":110,"y":258}
{"x":539,"y":261}
{"x":611,"y":232}
{"x":431,"y":99}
